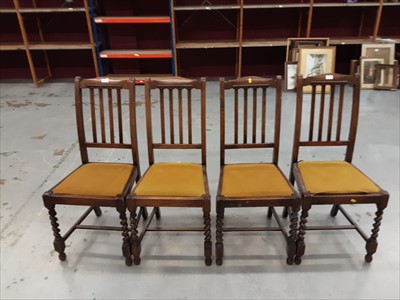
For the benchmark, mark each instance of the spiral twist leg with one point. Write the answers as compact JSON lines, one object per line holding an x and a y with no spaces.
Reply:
{"x":59,"y":244}
{"x":134,"y":238}
{"x":207,"y":237}
{"x":219,"y":246}
{"x":372,"y":243}
{"x":301,"y":247}
{"x":291,"y":243}
{"x":126,"y":251}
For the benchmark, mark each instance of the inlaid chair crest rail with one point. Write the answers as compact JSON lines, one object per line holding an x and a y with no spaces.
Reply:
{"x":326,"y":115}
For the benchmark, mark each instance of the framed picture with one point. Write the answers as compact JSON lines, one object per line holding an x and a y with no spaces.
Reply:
{"x":294,"y":43}
{"x":383,"y":51}
{"x":386,"y":77}
{"x":290,"y":76}
{"x":315,"y":61}
{"x":367,"y":66}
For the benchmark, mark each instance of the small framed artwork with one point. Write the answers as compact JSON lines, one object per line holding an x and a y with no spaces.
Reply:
{"x":386,"y":77}
{"x":367,"y":66}
{"x":354,"y":66}
{"x":383,"y":51}
{"x":290,"y":76}
{"x":315,"y":61}
{"x":294,"y":43}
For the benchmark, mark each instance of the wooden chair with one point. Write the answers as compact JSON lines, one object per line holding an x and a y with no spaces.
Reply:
{"x":175,"y":184}
{"x":332,"y":182}
{"x":97,"y":184}
{"x":254,"y":184}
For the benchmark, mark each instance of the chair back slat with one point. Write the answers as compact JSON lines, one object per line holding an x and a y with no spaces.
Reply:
{"x":254,"y":116}
{"x":162,"y":116}
{"x":189,"y":120}
{"x":331,"y":107}
{"x":249,"y":123}
{"x":263,"y":114}
{"x":178,"y":114}
{"x":236,"y":116}
{"x":245,"y":114}
{"x":101,"y":101}
{"x":111,"y":115}
{"x":171,"y":116}
{"x":321,"y":113}
{"x":93,"y":115}
{"x":340,"y":112}
{"x":334,"y":116}
{"x":102,"y":122}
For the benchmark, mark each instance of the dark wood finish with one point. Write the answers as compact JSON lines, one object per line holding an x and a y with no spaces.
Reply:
{"x":178,"y":91}
{"x":96,"y":88}
{"x":336,"y":84}
{"x":254,"y":88}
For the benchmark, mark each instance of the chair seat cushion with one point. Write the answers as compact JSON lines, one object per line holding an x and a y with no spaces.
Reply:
{"x":96,"y":179}
{"x":172,"y":179}
{"x":334,"y":177}
{"x":254,"y":180}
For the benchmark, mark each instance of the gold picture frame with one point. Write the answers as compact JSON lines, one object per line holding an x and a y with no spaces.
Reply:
{"x":315,"y":61}
{"x":383,"y":51}
{"x":294,"y":43}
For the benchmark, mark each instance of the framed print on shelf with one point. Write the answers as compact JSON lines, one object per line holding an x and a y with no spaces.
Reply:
{"x":294,"y":43}
{"x":386,"y":77}
{"x":384,"y":51}
{"x":315,"y":61}
{"x":290,"y":76}
{"x":367,"y":66}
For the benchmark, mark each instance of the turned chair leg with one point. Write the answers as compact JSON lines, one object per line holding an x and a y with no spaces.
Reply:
{"x":126,"y":247}
{"x":59,"y":243}
{"x":158,"y":213}
{"x":372,"y":243}
{"x":207,"y":236}
{"x":97,"y":211}
{"x":334,"y":210}
{"x":300,"y":245}
{"x":219,"y":246}
{"x":291,"y":244}
{"x":135,"y":243}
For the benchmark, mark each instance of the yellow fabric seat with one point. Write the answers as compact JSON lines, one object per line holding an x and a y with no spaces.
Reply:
{"x":96,"y":179}
{"x":334,"y":177}
{"x":172,"y":179}
{"x":254,"y":180}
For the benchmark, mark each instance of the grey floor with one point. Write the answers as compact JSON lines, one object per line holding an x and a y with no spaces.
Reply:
{"x":39,"y":147}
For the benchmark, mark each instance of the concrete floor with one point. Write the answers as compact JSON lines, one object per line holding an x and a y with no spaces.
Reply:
{"x":39,"y":147}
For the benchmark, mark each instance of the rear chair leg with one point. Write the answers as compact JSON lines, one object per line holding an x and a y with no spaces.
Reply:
{"x":219,"y":246}
{"x":158,"y":213}
{"x":372,"y":243}
{"x":145,"y":214}
{"x":207,"y":236}
{"x":59,"y":243}
{"x":291,"y":244}
{"x":97,"y":211}
{"x":134,"y":238}
{"x":285,"y":212}
{"x":334,"y":210}
{"x":269,"y":214}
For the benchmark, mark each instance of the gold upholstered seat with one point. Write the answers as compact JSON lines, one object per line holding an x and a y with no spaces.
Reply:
{"x":95,"y":179}
{"x":254,"y":180}
{"x":335,"y":177}
{"x":172,"y":179}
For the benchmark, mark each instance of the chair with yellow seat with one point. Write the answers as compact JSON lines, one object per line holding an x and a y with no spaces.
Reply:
{"x":99,"y":184}
{"x":253,"y":184}
{"x":177,"y":122}
{"x":329,"y":119}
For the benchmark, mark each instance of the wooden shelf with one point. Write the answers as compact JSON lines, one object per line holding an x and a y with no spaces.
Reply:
{"x":206,"y":44}
{"x":139,"y":78}
{"x":206,"y":7}
{"x":264,"y":43}
{"x":44,"y":10}
{"x":154,"y":53}
{"x":133,"y":20}
{"x":47,"y":46}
